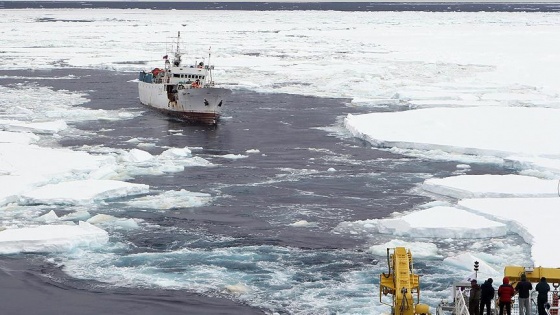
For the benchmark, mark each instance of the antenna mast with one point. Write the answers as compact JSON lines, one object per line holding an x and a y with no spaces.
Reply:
{"x":178,"y":42}
{"x":209,"y":67}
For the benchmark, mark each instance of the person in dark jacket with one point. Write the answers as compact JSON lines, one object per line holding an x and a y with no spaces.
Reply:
{"x":505,"y":293}
{"x":474,"y":298}
{"x":487,"y":293}
{"x":523,"y":288}
{"x":543,"y":288}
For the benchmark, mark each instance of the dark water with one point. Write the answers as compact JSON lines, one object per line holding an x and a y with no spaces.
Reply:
{"x":466,"y":6}
{"x":283,"y":128}
{"x":32,"y":287}
{"x":257,"y":198}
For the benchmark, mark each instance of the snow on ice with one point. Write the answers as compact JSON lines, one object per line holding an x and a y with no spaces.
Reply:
{"x":51,"y":238}
{"x":82,"y":191}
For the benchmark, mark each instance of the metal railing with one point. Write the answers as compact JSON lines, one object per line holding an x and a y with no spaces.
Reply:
{"x":460,"y":305}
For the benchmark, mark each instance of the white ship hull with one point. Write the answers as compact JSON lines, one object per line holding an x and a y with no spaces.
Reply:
{"x":192,"y":104}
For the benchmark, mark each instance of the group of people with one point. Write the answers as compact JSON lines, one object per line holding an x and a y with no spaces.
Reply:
{"x":481,"y":296}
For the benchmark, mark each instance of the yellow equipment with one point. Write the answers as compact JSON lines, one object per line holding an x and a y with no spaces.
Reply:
{"x":514,"y":273}
{"x":402,"y":284}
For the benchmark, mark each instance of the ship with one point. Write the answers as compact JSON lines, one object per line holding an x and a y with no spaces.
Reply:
{"x":399,"y":288}
{"x":182,"y":90}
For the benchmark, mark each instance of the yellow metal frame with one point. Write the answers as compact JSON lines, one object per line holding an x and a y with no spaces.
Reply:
{"x":514,"y":273}
{"x":401,"y":283}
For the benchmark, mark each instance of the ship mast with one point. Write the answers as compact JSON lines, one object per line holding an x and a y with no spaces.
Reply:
{"x":211,"y":81}
{"x":178,"y":43}
{"x":177,"y":59}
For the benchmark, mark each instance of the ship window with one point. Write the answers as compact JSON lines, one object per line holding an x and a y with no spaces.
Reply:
{"x":202,"y":77}
{"x":176,"y":75}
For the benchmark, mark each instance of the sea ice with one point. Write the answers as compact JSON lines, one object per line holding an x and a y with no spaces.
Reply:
{"x":171,"y":200}
{"x":420,"y":250}
{"x":481,"y":186}
{"x":51,"y":238}
{"x":532,"y":218}
{"x":47,"y":127}
{"x":465,"y":261}
{"x":438,"y":222}
{"x":109,"y":220}
{"x":82,"y":191}
{"x":494,"y":131}
{"x":17,"y":137}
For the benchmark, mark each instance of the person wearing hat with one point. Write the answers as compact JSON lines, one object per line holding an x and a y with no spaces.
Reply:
{"x":523,"y":288}
{"x":505,"y":293}
{"x":474,"y":298}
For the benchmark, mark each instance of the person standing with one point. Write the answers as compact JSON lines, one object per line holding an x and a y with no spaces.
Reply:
{"x":523,"y":288}
{"x":474,"y":298}
{"x":487,"y":293}
{"x":505,"y":293}
{"x":543,"y":288}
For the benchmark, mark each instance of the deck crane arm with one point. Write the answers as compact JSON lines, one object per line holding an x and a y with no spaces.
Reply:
{"x":514,"y":273}
{"x":402,"y":284}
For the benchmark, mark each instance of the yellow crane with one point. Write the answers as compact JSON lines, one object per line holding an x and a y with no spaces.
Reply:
{"x":402,"y":284}
{"x":514,"y":273}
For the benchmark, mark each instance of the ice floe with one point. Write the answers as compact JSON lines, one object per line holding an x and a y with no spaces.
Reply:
{"x":531,"y":218}
{"x":171,"y":200}
{"x":82,"y":191}
{"x":494,"y":131}
{"x":435,"y":222}
{"x":51,"y":238}
{"x":481,"y":186}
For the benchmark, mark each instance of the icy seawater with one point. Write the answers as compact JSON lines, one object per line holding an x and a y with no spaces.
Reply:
{"x":251,"y":211}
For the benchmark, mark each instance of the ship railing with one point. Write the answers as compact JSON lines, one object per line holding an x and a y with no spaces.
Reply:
{"x":553,"y":310}
{"x":461,"y":306}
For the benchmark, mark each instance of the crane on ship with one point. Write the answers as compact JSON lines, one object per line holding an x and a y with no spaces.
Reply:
{"x":402,"y":284}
